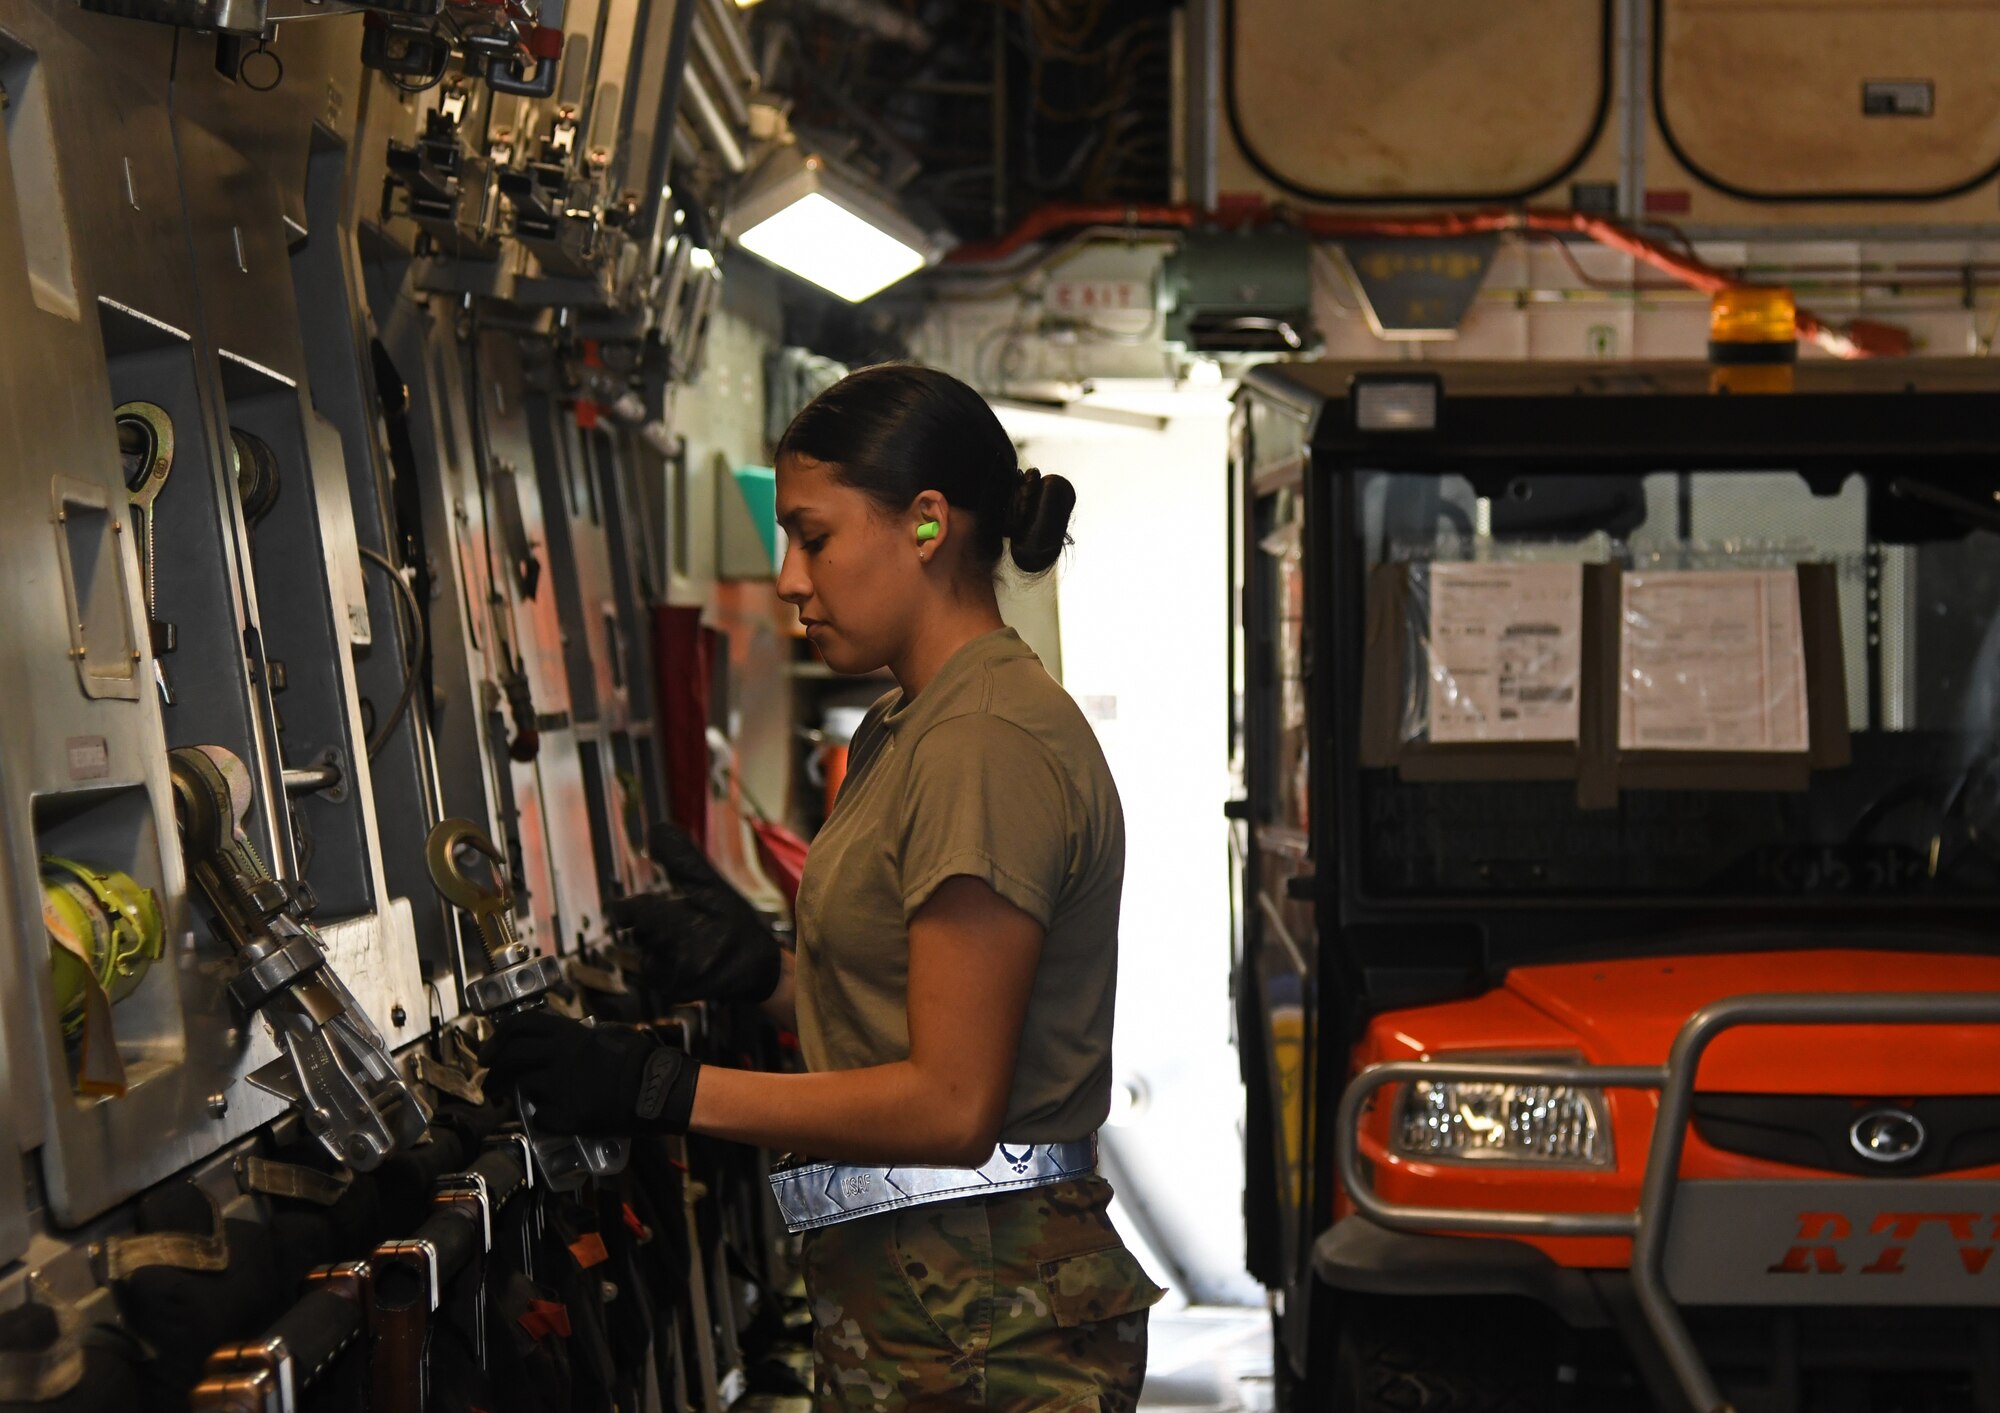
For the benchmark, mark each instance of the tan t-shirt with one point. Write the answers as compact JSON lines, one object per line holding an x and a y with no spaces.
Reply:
{"x":993,"y":773}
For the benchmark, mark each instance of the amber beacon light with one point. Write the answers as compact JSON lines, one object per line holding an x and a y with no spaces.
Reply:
{"x":1753,"y":340}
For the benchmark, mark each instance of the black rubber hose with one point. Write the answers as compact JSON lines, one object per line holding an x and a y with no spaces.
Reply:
{"x":451,"y":1233}
{"x":317,"y":1330}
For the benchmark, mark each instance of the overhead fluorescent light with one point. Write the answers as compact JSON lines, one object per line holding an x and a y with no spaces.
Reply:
{"x":827,"y":226}
{"x":818,"y":239}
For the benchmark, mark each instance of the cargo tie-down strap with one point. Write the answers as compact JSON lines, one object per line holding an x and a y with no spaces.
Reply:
{"x":41,"y":1353}
{"x":819,"y":1194}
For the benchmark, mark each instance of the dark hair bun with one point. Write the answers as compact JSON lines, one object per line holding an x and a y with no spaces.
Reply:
{"x":896,"y":430}
{"x":1038,"y":529}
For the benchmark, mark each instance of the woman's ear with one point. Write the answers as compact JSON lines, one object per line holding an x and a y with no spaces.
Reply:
{"x":931,"y":516}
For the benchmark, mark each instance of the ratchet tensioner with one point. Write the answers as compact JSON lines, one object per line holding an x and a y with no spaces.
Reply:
{"x":335,"y":1069}
{"x":517,"y":978}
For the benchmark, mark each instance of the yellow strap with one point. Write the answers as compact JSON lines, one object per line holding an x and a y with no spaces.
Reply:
{"x":100,"y":1069}
{"x":134,"y":934}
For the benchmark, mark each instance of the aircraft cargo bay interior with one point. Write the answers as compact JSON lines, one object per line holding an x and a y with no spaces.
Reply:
{"x":845,"y":706}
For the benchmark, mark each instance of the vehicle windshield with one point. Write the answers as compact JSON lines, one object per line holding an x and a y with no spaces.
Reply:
{"x":1693,"y":603}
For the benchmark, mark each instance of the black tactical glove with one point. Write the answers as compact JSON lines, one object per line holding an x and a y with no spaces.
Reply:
{"x":708,"y":944}
{"x":595,"y":1079}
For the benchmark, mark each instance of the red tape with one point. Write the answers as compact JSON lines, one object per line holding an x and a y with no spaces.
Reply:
{"x":544,"y":1318}
{"x":544,"y":42}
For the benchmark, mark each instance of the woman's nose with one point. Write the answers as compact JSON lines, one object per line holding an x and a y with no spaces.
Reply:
{"x":794,"y":585}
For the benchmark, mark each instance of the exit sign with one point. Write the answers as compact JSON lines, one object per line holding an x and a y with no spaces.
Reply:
{"x":1097,"y":296}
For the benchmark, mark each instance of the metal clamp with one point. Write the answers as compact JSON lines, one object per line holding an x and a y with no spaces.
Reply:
{"x":349,"y":1282}
{"x":569,"y":1162}
{"x":515,"y":985}
{"x":334,"y":1067}
{"x":468,"y":1192}
{"x":527,"y":1154}
{"x":1648,"y":1225}
{"x":415,"y":1254}
{"x":349,"y":1279}
{"x":400,"y":1327}
{"x":272,"y":964}
{"x":516,"y":978}
{"x":255,"y":1377}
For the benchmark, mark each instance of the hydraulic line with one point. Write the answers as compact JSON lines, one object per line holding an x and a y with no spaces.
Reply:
{"x":414,"y":659}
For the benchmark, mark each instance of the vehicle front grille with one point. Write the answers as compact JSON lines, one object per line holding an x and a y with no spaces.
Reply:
{"x":1814,"y":1131}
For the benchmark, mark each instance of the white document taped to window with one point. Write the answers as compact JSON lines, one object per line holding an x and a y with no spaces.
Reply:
{"x":1712,"y":660}
{"x":1506,"y":651}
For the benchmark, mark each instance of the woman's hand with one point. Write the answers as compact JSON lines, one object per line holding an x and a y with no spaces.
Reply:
{"x":708,"y":944}
{"x":595,"y":1079}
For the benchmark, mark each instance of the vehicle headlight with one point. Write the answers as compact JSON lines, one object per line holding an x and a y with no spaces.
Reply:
{"x":1508,"y":1123}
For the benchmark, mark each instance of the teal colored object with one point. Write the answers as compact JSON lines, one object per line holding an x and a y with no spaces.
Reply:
{"x":759,"y":485}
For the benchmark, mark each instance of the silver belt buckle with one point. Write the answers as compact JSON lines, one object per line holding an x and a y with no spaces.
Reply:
{"x":812,"y":1195}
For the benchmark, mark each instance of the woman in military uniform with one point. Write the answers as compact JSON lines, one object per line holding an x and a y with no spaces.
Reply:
{"x":957,"y":945}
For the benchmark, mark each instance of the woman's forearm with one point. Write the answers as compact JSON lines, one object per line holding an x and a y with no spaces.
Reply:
{"x":885,"y":1114}
{"x":972,"y":966}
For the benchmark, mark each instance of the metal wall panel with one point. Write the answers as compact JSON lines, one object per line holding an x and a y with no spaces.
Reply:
{"x":236,"y":254}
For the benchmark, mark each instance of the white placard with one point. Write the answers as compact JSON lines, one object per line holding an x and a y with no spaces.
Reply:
{"x":1506,"y":651}
{"x":1712,"y":660}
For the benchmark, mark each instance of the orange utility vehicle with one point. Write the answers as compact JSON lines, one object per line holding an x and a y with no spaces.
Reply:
{"x":1618,"y":885}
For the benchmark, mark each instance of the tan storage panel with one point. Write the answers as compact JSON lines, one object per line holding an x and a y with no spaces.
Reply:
{"x":1448,"y":100}
{"x":1807,"y":100}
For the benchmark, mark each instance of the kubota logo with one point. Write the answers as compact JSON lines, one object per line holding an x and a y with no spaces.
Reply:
{"x":1887,"y":1136}
{"x":1819,"y":1250}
